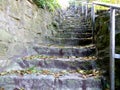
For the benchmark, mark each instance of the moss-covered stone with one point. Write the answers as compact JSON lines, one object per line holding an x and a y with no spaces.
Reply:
{"x":102,"y":38}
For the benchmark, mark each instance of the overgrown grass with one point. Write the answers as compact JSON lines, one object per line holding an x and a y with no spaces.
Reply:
{"x":51,"y":5}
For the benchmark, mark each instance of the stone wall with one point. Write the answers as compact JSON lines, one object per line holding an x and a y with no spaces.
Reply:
{"x":102,"y":36}
{"x":22,"y":24}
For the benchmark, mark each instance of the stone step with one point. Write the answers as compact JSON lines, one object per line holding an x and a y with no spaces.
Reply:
{"x":83,"y":27}
{"x":69,"y":41}
{"x":75,"y":30}
{"x":70,"y":26}
{"x":53,"y":50}
{"x":86,"y":28}
{"x":45,"y":81}
{"x":86,"y":24}
{"x":76,"y":16}
{"x":75,"y":24}
{"x":86,"y":21}
{"x":57,"y":63}
{"x":67,"y":20}
{"x":73,"y":35}
{"x":71,"y":20}
{"x":71,"y":16}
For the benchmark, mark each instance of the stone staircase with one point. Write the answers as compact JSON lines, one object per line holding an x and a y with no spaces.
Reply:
{"x":66,"y":62}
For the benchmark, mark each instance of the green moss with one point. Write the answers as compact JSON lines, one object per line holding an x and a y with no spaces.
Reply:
{"x":51,"y":5}
{"x":102,"y":32}
{"x":102,"y":37}
{"x":118,"y":40}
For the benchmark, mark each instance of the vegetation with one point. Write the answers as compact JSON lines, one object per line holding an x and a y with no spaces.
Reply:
{"x":109,"y":1}
{"x":102,"y":43}
{"x":106,"y":1}
{"x":51,"y":5}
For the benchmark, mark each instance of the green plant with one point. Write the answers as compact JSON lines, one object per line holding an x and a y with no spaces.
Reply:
{"x":105,"y":1}
{"x":51,"y":5}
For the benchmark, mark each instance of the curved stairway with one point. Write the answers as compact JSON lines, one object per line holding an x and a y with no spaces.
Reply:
{"x":66,"y":62}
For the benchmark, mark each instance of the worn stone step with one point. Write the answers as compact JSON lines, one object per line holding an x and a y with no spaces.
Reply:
{"x":71,"y":23}
{"x":69,"y":41}
{"x":75,"y":30}
{"x":72,"y":18}
{"x":71,"y":15}
{"x":66,"y":21}
{"x":86,"y":22}
{"x":76,"y":16}
{"x":87,"y":29}
{"x":86,"y":25}
{"x":73,"y":81}
{"x":73,"y":35}
{"x":67,"y":18}
{"x":70,"y":26}
{"x":82,"y":51}
{"x":74,"y":25}
{"x":57,"y":63}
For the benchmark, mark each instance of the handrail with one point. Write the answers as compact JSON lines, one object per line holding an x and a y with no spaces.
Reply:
{"x":117,"y":56}
{"x":115,"y":6}
{"x":113,"y":55}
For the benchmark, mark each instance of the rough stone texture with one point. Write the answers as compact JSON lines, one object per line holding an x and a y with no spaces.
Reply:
{"x":65,"y":50}
{"x":28,"y":82}
{"x":73,"y":35}
{"x":69,"y":41}
{"x":27,"y":30}
{"x":61,"y":63}
{"x":72,"y":22}
{"x":48,"y":82}
{"x":117,"y":24}
{"x":21,"y":24}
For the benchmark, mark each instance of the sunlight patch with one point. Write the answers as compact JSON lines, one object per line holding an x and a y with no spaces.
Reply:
{"x":64,"y":3}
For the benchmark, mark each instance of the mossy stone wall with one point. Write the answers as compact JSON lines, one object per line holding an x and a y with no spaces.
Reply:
{"x":22,"y":25}
{"x":102,"y":38}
